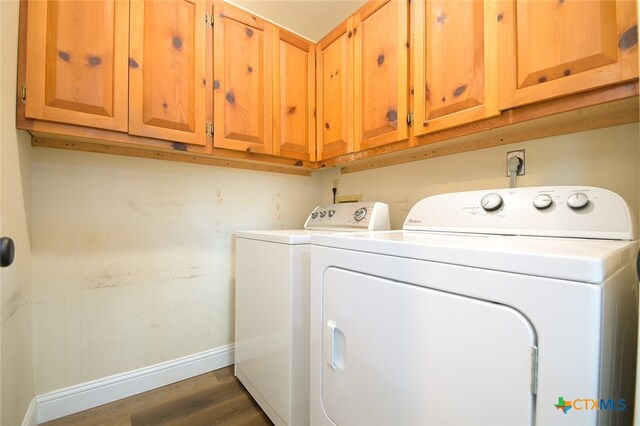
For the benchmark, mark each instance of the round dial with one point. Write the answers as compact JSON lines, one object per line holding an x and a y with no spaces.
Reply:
{"x":577,"y":200}
{"x":491,"y":202}
{"x":542,"y":201}
{"x":360,"y":214}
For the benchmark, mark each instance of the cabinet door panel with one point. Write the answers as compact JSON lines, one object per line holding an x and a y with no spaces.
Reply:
{"x":335,"y":86}
{"x":77,"y":62}
{"x":294,"y":97}
{"x":455,"y":69}
{"x":380,"y":74}
{"x":167,"y":70}
{"x":242,"y":81}
{"x":565,"y":47}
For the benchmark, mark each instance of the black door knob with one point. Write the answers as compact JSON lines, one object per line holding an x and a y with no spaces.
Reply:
{"x":7,"y":251}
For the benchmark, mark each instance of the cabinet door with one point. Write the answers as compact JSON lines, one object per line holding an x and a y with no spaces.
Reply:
{"x":242,"y":73}
{"x":76,"y":62}
{"x":334,"y":80}
{"x":455,"y":63}
{"x":380,"y":74}
{"x":167,"y":70}
{"x":294,"y":97}
{"x":556,"y":48}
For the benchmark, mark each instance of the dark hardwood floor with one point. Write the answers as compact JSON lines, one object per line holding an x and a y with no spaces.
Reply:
{"x":215,"y":398}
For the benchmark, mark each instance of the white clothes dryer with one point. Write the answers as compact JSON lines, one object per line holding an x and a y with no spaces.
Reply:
{"x":503,"y":307}
{"x":272,"y":306}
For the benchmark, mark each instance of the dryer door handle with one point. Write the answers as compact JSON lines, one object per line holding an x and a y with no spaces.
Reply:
{"x":335,"y":346}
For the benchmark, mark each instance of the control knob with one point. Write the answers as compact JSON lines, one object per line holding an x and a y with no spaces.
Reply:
{"x":577,"y":200}
{"x":360,"y":214}
{"x":314,"y":215}
{"x":323,"y":214}
{"x":542,"y":201}
{"x":331,"y":213}
{"x":491,"y":202}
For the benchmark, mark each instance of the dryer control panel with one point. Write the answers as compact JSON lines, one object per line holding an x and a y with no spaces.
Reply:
{"x":365,"y":216}
{"x":553,"y":211}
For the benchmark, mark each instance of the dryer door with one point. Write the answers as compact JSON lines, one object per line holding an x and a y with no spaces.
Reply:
{"x":400,"y":354}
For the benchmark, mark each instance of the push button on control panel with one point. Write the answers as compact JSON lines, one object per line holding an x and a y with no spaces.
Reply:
{"x":360,"y":214}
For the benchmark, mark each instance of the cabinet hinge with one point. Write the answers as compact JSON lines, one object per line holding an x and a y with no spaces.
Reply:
{"x":208,"y":19}
{"x":410,"y":119}
{"x":23,"y":93}
{"x":534,"y":370}
{"x":208,"y":128}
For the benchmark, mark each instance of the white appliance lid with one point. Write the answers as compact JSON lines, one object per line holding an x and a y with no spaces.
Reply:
{"x":582,"y":260}
{"x":283,"y":236}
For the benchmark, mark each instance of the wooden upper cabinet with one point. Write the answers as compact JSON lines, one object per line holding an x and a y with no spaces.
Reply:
{"x":76,"y":62}
{"x":294,"y":97}
{"x":242,"y":80}
{"x":454,"y":63}
{"x":554,"y":48}
{"x":167,"y":70}
{"x":334,"y":85}
{"x":380,"y":73}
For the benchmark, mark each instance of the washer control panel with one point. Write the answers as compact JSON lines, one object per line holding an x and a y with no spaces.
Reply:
{"x":562,"y":211}
{"x":370,"y":216}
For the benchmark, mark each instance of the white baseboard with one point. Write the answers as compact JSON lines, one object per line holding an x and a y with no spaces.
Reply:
{"x":81,"y":397}
{"x":31,"y":416}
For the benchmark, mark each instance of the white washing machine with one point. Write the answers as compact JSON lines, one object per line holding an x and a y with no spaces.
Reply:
{"x":503,"y":307}
{"x":272,"y":306}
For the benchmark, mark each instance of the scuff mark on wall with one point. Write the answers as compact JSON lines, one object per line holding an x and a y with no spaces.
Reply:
{"x":404,"y":205}
{"x":279,"y":215}
{"x":12,"y":312}
{"x":136,"y":208}
{"x":112,"y":276}
{"x":13,"y":304}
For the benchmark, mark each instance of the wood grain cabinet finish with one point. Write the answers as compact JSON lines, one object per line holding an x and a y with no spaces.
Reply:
{"x":167,"y":70}
{"x":334,"y":85}
{"x":554,"y":48}
{"x":454,"y":63}
{"x":242,"y":80}
{"x":294,"y":97}
{"x":76,"y":62}
{"x":380,"y":73}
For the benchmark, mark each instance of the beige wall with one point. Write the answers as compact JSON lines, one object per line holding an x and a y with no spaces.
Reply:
{"x":133,"y":259}
{"x":607,"y":158}
{"x":15,"y":287}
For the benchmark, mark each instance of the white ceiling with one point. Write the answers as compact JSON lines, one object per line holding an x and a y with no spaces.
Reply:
{"x":312,"y":19}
